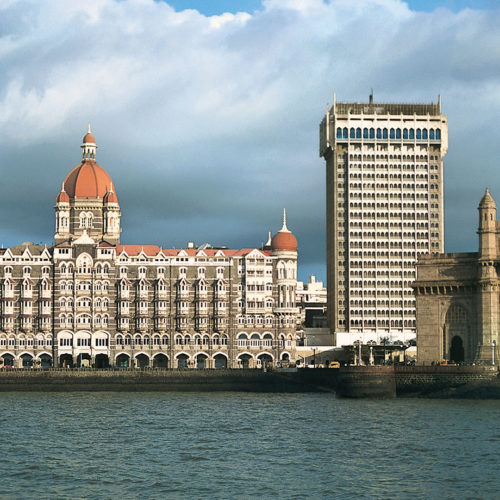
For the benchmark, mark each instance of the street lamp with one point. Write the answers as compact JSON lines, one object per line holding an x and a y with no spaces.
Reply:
{"x":371,"y":355}
{"x":493,"y":353}
{"x":359,"y":355}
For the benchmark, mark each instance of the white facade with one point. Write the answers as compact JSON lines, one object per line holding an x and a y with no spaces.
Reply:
{"x":384,"y":207}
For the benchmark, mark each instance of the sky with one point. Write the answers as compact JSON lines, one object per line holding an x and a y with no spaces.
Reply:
{"x":206,"y":114}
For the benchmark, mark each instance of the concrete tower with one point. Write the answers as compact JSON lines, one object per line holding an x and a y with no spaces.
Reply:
{"x":384,"y":196}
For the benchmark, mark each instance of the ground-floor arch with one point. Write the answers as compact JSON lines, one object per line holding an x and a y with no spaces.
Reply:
{"x":220,"y":361}
{"x":244,"y":360}
{"x":141,"y":360}
{"x":66,"y":361}
{"x":160,"y":361}
{"x":122,"y":360}
{"x":201,"y":361}
{"x":182,"y":360}
{"x":102,"y":361}
{"x":7,"y":359}
{"x":45,"y":360}
{"x":265,"y":359}
{"x":26,"y":360}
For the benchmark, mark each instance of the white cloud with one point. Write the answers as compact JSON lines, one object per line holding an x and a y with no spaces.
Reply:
{"x":234,"y":101}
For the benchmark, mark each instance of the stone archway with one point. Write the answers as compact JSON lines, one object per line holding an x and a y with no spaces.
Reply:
{"x":456,"y":327}
{"x":45,"y":360}
{"x":142,"y":360}
{"x":26,"y":360}
{"x":160,"y":361}
{"x":182,"y":361}
{"x":201,"y":361}
{"x":265,"y":359}
{"x":244,"y":360}
{"x":8,"y":360}
{"x":66,"y":361}
{"x":102,"y":361}
{"x":457,"y":350}
{"x":220,"y":361}
{"x":123,"y":361}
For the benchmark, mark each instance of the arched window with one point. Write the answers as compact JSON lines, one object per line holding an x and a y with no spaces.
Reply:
{"x":339,"y":133}
{"x":358,"y":133}
{"x":398,"y":133}
{"x":384,"y":133}
{"x":392,"y":133}
{"x":412,"y":133}
{"x":365,"y":133}
{"x":352,"y":133}
{"x":344,"y":133}
{"x":431,"y":134}
{"x":405,"y":133}
{"x":438,"y":134}
{"x":419,"y":134}
{"x":379,"y":133}
{"x":372,"y":133}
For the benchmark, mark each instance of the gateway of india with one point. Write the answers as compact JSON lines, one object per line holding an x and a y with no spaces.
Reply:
{"x":458,"y":298}
{"x":90,"y":301}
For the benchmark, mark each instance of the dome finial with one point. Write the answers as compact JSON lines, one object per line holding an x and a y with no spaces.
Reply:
{"x":284,"y":229}
{"x":62,"y":188}
{"x":89,"y":131}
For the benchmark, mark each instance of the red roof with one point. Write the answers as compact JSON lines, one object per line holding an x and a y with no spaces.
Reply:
{"x":87,"y":180}
{"x":152,"y":250}
{"x":284,"y":240}
{"x":89,"y":137}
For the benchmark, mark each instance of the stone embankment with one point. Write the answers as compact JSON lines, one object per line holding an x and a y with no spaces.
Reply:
{"x":246,"y":380}
{"x":350,"y":382}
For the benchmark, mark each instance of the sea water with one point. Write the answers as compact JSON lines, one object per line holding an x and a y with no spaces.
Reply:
{"x":240,"y":445}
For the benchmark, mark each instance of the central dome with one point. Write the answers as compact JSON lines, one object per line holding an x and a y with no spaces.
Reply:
{"x":87,"y":180}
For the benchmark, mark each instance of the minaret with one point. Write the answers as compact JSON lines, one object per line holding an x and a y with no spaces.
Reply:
{"x":488,"y":307}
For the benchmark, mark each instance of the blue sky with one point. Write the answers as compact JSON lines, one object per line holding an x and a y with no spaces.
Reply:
{"x":215,"y":7}
{"x":207,"y":120}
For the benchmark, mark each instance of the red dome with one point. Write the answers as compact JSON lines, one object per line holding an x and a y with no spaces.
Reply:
{"x":284,"y":240}
{"x":62,"y":197}
{"x":89,"y":137}
{"x":87,"y":180}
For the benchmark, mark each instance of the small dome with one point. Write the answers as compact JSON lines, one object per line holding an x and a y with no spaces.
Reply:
{"x":284,"y":241}
{"x":89,"y":138}
{"x":62,"y":197}
{"x":487,"y":200}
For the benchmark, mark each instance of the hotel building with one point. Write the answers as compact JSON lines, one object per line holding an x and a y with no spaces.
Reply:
{"x":384,"y":195}
{"x":89,"y":300}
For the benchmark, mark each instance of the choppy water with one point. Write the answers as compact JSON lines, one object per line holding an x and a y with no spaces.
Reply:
{"x":232,"y":445}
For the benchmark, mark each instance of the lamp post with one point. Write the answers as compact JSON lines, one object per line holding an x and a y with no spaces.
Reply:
{"x":371,"y":355}
{"x":359,"y":353}
{"x":493,"y":353}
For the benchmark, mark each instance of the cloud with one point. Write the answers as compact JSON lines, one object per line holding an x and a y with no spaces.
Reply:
{"x":208,"y":125}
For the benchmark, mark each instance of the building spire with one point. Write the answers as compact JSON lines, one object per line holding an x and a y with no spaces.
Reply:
{"x":62,"y":188}
{"x":89,"y":131}
{"x":284,"y":229}
{"x":268,"y":243}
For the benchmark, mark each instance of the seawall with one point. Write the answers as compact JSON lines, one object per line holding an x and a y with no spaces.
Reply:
{"x":250,"y":380}
{"x":347,"y":382}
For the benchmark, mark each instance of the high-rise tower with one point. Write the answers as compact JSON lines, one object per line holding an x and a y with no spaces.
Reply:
{"x":384,"y":196}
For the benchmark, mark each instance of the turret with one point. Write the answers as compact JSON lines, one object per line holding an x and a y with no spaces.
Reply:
{"x":487,"y":227}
